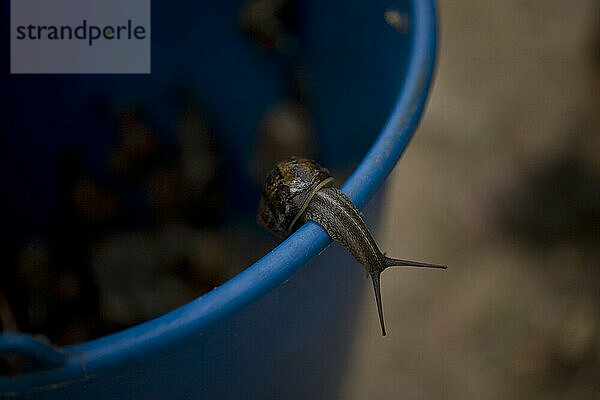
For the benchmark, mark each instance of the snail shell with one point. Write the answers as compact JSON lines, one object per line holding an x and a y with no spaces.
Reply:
{"x":288,"y":189}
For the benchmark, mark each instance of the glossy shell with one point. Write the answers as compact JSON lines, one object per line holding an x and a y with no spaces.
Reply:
{"x":287,"y":190}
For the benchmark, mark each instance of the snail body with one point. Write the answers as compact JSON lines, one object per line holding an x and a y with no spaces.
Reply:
{"x":298,"y":190}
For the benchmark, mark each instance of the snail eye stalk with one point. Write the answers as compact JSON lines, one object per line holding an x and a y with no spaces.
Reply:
{"x":395,"y":262}
{"x":377,"y":290}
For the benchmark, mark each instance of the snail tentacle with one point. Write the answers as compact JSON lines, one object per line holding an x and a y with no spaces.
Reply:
{"x":396,"y":262}
{"x":377,"y":290}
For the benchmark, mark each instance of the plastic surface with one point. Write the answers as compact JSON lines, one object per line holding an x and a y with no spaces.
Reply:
{"x":28,"y":347}
{"x":282,"y":327}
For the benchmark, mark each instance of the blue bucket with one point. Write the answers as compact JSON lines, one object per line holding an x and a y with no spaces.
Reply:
{"x":282,"y":328}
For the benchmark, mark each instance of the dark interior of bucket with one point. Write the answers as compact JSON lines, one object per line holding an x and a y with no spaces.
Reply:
{"x":96,"y":159}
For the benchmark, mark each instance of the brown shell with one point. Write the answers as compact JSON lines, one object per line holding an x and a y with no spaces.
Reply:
{"x":287,"y":189}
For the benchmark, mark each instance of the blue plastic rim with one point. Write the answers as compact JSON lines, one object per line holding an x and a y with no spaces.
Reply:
{"x":132,"y":346}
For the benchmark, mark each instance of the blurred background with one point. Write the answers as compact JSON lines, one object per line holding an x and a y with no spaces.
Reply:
{"x":501,"y":183}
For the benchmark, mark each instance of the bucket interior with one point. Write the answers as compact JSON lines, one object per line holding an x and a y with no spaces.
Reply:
{"x":341,"y":61}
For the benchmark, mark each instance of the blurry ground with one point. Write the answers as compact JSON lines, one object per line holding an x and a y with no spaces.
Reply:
{"x":502,"y":184}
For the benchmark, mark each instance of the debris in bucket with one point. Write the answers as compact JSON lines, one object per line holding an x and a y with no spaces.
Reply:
{"x":137,"y":148}
{"x":397,"y":20}
{"x":286,"y":129}
{"x":127,"y":245}
{"x":8,"y":323}
{"x":144,"y":274}
{"x":268,"y":22}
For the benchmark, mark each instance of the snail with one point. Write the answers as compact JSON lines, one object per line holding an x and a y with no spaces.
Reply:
{"x":298,"y":190}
